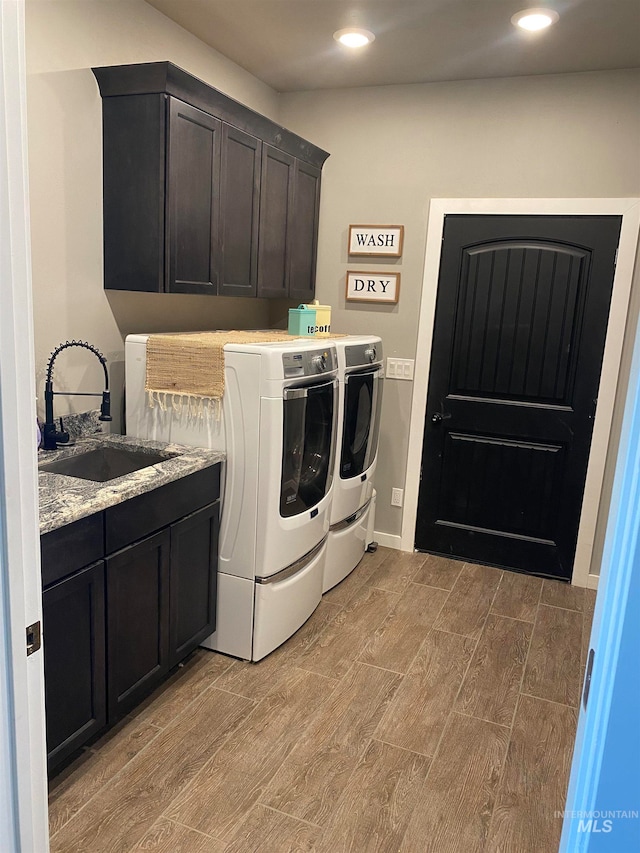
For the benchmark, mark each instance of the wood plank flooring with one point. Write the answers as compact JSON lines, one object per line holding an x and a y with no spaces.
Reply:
{"x":427,"y":705}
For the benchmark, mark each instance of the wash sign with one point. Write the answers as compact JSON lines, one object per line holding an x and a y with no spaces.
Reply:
{"x":374,"y":240}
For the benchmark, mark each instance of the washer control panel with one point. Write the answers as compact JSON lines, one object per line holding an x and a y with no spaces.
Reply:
{"x":309,"y":362}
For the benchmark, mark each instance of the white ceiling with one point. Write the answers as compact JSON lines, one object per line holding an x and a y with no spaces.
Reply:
{"x":288,"y":43}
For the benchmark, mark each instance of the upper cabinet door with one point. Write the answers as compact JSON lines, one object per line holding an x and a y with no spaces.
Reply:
{"x":304,"y":233}
{"x":192,"y":200}
{"x":134,"y":145}
{"x":239,"y":209}
{"x":276,"y":207}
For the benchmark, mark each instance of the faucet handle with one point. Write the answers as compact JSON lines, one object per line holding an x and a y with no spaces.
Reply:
{"x":105,"y":407}
{"x":62,"y":437}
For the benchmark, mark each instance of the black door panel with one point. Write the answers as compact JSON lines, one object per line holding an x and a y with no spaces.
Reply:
{"x":520,"y":325}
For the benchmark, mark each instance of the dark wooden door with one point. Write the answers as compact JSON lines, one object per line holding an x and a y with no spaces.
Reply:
{"x":276,"y":203}
{"x":304,"y":232}
{"x":192,"y":200}
{"x":239,"y":210}
{"x":194,"y":575}
{"x":137,"y":621}
{"x":518,"y":341}
{"x":74,"y":661}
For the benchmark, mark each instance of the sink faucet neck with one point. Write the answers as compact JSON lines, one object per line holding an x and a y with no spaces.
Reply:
{"x":53,"y":437}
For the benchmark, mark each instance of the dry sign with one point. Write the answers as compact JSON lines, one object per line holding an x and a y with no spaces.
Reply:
{"x":373,"y":287}
{"x":376,"y":240}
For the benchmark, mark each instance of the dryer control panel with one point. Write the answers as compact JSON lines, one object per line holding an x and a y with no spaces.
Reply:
{"x":363,"y":355}
{"x":309,"y":362}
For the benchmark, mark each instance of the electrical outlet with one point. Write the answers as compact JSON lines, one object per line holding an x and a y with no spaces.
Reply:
{"x":396,"y":497}
{"x":400,"y":368}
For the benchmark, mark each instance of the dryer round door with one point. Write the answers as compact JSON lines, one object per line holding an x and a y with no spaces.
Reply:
{"x":307,"y":446}
{"x":360,"y":427}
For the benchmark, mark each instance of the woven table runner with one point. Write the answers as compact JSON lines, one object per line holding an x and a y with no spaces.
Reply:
{"x":188,"y":367}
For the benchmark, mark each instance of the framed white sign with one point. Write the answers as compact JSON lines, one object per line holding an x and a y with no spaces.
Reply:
{"x":373,"y":287}
{"x":376,"y":240}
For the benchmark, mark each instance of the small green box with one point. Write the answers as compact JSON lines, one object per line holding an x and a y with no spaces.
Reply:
{"x":302,"y":321}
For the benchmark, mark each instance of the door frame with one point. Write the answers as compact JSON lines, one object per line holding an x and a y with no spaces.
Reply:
{"x":23,"y":768}
{"x":602,"y":741}
{"x":629,"y":210}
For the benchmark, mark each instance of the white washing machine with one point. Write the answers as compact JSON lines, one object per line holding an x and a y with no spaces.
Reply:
{"x":360,"y":377}
{"x":278,"y":430}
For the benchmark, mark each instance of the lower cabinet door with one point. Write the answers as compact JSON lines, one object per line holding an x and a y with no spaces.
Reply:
{"x":194,"y":572}
{"x":137,"y":621}
{"x":74,"y":661}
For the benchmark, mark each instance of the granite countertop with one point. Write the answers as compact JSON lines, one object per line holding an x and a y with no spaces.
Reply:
{"x":65,"y":499}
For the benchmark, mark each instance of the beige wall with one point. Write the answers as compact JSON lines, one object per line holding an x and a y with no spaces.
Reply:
{"x":65,"y":38}
{"x":394,"y":148}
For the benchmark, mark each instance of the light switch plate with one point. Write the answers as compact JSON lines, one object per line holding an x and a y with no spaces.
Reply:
{"x":400,"y":368}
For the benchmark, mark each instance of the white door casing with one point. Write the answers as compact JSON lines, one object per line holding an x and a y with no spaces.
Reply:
{"x":629,"y":210}
{"x":23,"y":779}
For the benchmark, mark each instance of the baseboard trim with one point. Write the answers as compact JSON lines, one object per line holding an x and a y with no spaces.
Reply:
{"x":388,"y":540}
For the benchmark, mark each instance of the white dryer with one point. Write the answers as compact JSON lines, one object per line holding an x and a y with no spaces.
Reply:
{"x":360,"y":378}
{"x":278,"y":430}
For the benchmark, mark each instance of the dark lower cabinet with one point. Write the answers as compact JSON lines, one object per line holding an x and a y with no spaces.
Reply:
{"x":74,"y":659}
{"x":192,"y":608}
{"x":113,"y":629}
{"x":137,"y":621}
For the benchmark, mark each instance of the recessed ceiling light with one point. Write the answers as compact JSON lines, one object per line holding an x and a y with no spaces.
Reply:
{"x":353,"y":37}
{"x":535,"y":19}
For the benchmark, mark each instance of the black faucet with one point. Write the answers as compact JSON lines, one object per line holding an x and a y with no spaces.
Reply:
{"x":52,"y":436}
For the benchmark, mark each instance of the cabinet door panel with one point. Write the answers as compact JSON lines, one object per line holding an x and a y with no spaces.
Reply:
{"x":137,"y":620}
{"x":134,"y":186}
{"x":304,"y":233}
{"x":74,"y":661}
{"x":68,"y":549}
{"x":194,"y":563}
{"x":138,"y":517}
{"x":276,"y":201}
{"x":239,"y":209}
{"x":193,"y":200}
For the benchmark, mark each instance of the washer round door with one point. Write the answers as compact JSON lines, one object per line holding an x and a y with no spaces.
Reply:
{"x":307,"y":446}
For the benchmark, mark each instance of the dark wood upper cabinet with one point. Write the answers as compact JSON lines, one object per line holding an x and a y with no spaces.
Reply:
{"x":304,"y":232}
{"x":192,"y":201}
{"x":276,"y":210}
{"x":134,"y":154}
{"x":202,"y":194}
{"x":240,"y":207}
{"x":288,"y":234}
